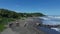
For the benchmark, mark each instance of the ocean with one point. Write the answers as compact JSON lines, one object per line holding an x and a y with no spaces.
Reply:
{"x":51,"y":20}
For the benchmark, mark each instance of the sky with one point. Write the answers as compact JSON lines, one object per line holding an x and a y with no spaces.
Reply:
{"x":47,"y":7}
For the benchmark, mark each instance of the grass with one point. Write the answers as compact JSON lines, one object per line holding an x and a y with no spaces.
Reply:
{"x":4,"y":21}
{"x":1,"y":27}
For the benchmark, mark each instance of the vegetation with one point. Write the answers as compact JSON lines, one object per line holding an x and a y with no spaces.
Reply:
{"x":8,"y":15}
{"x":31,"y":14}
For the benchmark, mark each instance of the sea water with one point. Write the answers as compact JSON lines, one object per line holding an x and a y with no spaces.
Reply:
{"x":51,"y":20}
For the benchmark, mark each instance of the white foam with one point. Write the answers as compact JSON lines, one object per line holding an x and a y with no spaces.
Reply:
{"x":45,"y":18}
{"x":54,"y":17}
{"x":57,"y":29}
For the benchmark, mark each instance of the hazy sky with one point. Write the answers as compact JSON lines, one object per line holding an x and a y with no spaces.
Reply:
{"x":49,"y":7}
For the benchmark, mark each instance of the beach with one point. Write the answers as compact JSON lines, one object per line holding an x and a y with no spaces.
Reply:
{"x":30,"y":27}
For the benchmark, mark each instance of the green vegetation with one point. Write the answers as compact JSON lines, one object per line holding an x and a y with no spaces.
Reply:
{"x":8,"y":15}
{"x":31,"y":14}
{"x":2,"y":27}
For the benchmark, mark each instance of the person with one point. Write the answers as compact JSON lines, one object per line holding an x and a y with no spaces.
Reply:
{"x":17,"y":24}
{"x":38,"y":24}
{"x":24,"y":25}
{"x":10,"y":25}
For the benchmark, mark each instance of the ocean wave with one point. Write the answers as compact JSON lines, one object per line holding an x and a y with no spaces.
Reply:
{"x":57,"y":29}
